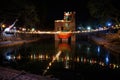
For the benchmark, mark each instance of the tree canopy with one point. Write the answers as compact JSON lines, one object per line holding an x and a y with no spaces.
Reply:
{"x":27,"y":12}
{"x":104,"y":10}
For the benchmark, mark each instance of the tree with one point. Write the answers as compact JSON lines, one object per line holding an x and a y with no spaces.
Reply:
{"x":103,"y":10}
{"x":29,"y":12}
{"x":9,"y":11}
{"x":29,"y":16}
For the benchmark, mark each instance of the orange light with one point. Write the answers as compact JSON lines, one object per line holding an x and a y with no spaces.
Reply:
{"x":64,"y":35}
{"x":3,"y":26}
{"x":64,"y":47}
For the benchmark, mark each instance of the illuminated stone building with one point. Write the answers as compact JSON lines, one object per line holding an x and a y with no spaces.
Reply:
{"x":65,"y":27}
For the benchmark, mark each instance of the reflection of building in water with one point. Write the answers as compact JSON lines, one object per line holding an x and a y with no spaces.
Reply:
{"x":65,"y":26}
{"x":64,"y":47}
{"x":66,"y":50}
{"x":53,"y":60}
{"x":64,"y":56}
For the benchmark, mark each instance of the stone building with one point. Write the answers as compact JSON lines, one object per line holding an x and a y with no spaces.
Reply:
{"x":65,"y":27}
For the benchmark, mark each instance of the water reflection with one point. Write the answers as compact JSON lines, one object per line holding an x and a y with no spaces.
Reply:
{"x":98,"y":50}
{"x":50,"y":63}
{"x":47,"y":57}
{"x":66,"y":50}
{"x":65,"y":59}
{"x":63,"y":55}
{"x":64,"y":47}
{"x":107,"y":59}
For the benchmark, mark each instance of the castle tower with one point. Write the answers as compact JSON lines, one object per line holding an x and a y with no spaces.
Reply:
{"x":65,"y":27}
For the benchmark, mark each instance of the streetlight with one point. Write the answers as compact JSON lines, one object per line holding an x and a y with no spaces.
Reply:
{"x":88,"y":28}
{"x":3,"y":26}
{"x":109,"y":24}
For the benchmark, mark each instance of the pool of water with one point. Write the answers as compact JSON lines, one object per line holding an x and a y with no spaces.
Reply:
{"x":81,"y":60}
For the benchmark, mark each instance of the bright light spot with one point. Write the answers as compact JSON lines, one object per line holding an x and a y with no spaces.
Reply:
{"x":109,"y":24}
{"x":98,"y":49}
{"x":107,"y":59}
{"x":8,"y":57}
{"x":67,"y":13}
{"x":33,"y":29}
{"x":88,"y":27}
{"x":3,"y":26}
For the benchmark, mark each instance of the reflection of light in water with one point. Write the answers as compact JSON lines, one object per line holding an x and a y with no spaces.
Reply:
{"x":79,"y":46}
{"x":31,"y":56}
{"x":107,"y":59}
{"x":19,"y":57}
{"x":78,"y":59}
{"x":81,"y":59}
{"x":67,"y":64}
{"x":8,"y":54}
{"x":114,"y":66}
{"x":34,"y":56}
{"x":40,"y":56}
{"x":54,"y":58}
{"x":98,"y":50}
{"x":64,"y":47}
{"x":8,"y":57}
{"x":88,"y":49}
{"x":67,"y":58}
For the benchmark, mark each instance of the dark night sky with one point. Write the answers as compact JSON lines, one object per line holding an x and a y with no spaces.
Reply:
{"x":56,"y":8}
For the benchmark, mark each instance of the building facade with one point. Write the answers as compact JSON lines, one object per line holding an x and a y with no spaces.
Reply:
{"x":65,"y":27}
